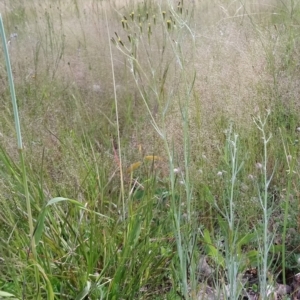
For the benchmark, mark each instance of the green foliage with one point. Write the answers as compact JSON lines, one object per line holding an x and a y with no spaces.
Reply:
{"x":129,"y":180}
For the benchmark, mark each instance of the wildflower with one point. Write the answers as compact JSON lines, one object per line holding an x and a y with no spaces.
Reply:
{"x":220,"y":173}
{"x":258,"y":166}
{"x":177,"y":170}
{"x":251,"y":177}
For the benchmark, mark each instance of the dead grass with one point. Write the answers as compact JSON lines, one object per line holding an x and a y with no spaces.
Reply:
{"x":63,"y":64}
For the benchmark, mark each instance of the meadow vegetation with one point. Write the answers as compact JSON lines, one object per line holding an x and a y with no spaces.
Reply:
{"x":157,"y":135}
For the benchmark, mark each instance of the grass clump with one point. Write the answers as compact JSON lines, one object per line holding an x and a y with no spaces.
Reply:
{"x":159,"y":138}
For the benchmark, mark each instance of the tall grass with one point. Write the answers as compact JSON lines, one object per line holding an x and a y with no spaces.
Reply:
{"x":31,"y":241}
{"x":142,"y":157}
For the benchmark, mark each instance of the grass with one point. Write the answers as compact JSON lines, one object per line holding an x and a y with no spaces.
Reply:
{"x":155,"y":134}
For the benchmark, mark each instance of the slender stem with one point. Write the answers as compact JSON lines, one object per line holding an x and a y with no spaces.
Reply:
{"x":117,"y":118}
{"x":20,"y":148}
{"x":286,"y":208}
{"x":264,"y":204}
{"x":11,"y":85}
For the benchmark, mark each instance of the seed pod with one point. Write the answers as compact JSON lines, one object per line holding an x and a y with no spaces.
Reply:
{"x":164,"y":14}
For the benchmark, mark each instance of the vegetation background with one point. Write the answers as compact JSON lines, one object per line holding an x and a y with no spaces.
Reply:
{"x":157,"y":135}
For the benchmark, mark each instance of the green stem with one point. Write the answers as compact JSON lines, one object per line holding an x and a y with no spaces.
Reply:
{"x":20,"y":146}
{"x":286,"y":209}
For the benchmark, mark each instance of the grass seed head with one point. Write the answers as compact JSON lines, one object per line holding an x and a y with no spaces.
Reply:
{"x":134,"y":166}
{"x":152,"y":158}
{"x":132,"y":16}
{"x":169,"y":24}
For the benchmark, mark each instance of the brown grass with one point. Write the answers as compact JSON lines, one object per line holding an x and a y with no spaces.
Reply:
{"x":74,"y":91}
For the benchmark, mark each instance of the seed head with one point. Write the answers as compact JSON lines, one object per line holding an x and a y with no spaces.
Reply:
{"x":132,"y":15}
{"x":169,"y":23}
